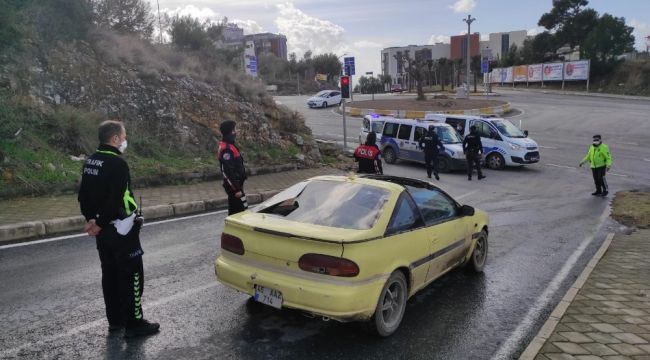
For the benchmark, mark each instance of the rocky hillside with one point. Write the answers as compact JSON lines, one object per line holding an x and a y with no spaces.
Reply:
{"x":52,"y":98}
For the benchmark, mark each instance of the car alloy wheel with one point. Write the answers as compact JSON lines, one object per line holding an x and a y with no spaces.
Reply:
{"x":391,"y":305}
{"x":389,"y":155}
{"x":495,"y":161}
{"x":479,"y":255}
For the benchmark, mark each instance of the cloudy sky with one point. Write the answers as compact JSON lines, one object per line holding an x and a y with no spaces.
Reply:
{"x":362,"y":28}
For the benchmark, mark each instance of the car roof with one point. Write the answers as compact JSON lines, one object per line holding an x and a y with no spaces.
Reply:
{"x":425,"y":123}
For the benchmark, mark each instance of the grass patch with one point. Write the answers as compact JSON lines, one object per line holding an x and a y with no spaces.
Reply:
{"x":632,"y":208}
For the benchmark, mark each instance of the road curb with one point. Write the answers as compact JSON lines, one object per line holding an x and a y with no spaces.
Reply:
{"x":547,"y":329}
{"x":34,"y":230}
{"x":490,"y":110}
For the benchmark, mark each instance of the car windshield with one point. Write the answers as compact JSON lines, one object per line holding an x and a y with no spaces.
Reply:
{"x":377,"y":126}
{"x":448,"y":135}
{"x":328,"y":203}
{"x":322,"y":94}
{"x":506,"y":128}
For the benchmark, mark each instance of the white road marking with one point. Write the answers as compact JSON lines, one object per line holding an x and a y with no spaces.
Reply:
{"x":544,"y":300}
{"x":648,"y":160}
{"x":84,"y":234}
{"x":466,"y":195}
{"x":627,"y":143}
{"x":616,"y":174}
{"x":548,"y":147}
{"x":560,"y":166}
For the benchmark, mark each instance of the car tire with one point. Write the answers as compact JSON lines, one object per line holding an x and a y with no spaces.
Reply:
{"x":389,"y":155}
{"x":390,"y":306}
{"x":495,"y":161}
{"x":324,"y":104}
{"x":443,"y":164}
{"x":479,"y":256}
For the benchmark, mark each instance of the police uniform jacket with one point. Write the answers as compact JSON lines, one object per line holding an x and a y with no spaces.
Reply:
{"x":472,"y":144}
{"x":232,"y":166}
{"x":431,"y":143}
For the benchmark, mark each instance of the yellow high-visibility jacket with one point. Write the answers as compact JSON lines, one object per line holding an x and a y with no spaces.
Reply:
{"x":598,"y":156}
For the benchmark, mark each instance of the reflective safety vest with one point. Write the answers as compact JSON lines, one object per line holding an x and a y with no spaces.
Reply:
{"x":129,"y":202}
{"x":598,"y":156}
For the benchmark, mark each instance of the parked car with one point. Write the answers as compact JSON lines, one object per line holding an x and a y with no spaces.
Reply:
{"x":350,"y":248}
{"x":400,"y":139}
{"x":325,"y":98}
{"x":504,"y":144}
{"x":396,"y":88}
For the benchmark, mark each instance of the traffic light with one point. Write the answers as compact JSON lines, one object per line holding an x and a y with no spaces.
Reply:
{"x":345,"y":87}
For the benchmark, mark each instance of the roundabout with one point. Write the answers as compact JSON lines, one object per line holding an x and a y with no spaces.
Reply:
{"x":411,"y":108}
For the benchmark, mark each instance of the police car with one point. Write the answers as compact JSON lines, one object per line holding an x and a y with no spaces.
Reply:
{"x":504,"y":144}
{"x":373,"y":123}
{"x":400,"y":139}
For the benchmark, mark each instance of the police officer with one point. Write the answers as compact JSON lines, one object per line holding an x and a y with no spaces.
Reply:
{"x":107,"y":203}
{"x":473,"y":149}
{"x":601,"y":161}
{"x":232,"y":169}
{"x":369,"y":156}
{"x":430,"y":144}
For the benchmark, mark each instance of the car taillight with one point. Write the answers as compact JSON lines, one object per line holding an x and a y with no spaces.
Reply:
{"x":328,"y":265}
{"x":232,"y":244}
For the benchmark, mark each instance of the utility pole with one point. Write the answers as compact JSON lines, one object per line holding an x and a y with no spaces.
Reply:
{"x":159,"y":22}
{"x":469,"y":22}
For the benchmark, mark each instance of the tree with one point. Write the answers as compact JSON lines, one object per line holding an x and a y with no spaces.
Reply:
{"x":416,"y":70}
{"x":125,"y":16}
{"x":328,"y":64}
{"x":570,"y":21}
{"x":443,"y":65}
{"x":475,"y":66}
{"x":188,"y":33}
{"x":609,"y":39}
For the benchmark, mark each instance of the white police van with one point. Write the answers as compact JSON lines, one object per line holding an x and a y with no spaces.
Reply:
{"x":373,"y":123}
{"x":400,"y":139}
{"x":504,"y":144}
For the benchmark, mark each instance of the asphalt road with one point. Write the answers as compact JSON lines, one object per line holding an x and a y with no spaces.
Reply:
{"x":544,"y":228}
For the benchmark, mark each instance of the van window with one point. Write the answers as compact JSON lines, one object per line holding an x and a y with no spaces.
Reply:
{"x":404,"y":132}
{"x":377,"y":126}
{"x":390,"y":129}
{"x":366,"y":125}
{"x":419,"y":132}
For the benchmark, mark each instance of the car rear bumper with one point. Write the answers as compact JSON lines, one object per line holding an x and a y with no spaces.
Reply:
{"x":321,"y":295}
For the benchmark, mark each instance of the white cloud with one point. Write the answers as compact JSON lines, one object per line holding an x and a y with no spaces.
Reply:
{"x":641,"y":32}
{"x":249,"y":26}
{"x":366,"y":44}
{"x":535,"y":31}
{"x":434,"y":39}
{"x":463,"y":5}
{"x":204,"y":13}
{"x":305,"y":32}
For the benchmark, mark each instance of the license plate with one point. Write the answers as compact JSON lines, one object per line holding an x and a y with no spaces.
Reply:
{"x":534,"y":159}
{"x":268,"y":296}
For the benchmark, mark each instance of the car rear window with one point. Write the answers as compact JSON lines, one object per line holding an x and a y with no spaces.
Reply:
{"x":328,"y":203}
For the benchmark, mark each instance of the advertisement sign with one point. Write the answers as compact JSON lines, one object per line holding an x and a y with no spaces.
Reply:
{"x":535,"y":73}
{"x":576,"y":70}
{"x":520,"y":73}
{"x":507,"y":77}
{"x":553,"y":72}
{"x":495,"y":76}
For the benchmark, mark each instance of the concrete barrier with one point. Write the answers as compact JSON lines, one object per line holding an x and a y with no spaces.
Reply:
{"x":216,"y":204}
{"x":21,"y":231}
{"x":190,"y":207}
{"x":158,"y":212}
{"x":268,"y":194}
{"x":64,"y":225}
{"x":253,"y":199}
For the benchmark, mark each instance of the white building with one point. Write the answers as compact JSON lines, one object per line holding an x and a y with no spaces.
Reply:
{"x":501,"y":42}
{"x":396,"y":69}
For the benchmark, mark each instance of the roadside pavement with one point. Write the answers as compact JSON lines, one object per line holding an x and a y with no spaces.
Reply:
{"x":504,"y":90}
{"x":606,"y":313}
{"x":30,"y":217}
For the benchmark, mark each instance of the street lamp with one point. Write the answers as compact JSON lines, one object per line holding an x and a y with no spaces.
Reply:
{"x":469,"y":22}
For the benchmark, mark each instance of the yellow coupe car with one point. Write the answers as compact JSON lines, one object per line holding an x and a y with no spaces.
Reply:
{"x":350,"y":248}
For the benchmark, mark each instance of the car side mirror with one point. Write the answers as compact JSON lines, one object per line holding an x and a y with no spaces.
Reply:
{"x":526,"y":133}
{"x":467,"y":210}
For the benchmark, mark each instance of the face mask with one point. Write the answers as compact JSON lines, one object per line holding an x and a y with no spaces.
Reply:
{"x":596,"y":143}
{"x":122,"y":147}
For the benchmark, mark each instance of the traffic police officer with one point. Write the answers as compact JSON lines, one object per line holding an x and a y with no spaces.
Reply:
{"x":601,"y":161}
{"x":107,"y":203}
{"x":473,"y":148}
{"x":431,"y":144}
{"x":232,"y":169}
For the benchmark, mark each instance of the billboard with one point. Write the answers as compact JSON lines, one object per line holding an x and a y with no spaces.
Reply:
{"x":506,"y":75}
{"x":495,"y":76}
{"x":535,"y":73}
{"x":520,"y":73}
{"x":553,"y":71}
{"x":576,"y":70}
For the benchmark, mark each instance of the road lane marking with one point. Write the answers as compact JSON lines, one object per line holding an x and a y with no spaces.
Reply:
{"x":548,"y":147}
{"x":560,"y":166}
{"x":616,"y":174}
{"x":648,"y":160}
{"x":544,"y":300}
{"x":466,"y":194}
{"x":84,"y":234}
{"x":627,"y":143}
